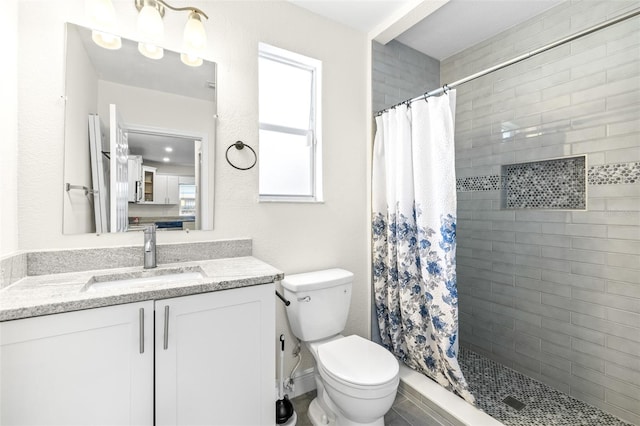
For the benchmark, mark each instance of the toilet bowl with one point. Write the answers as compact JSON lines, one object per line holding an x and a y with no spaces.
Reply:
{"x":356,"y":379}
{"x":359,"y":376}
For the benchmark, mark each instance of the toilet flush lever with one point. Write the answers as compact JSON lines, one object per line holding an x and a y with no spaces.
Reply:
{"x":281,"y":297}
{"x":304,"y":299}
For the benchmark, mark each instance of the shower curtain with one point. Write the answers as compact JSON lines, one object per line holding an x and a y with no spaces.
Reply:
{"x":414,"y":238}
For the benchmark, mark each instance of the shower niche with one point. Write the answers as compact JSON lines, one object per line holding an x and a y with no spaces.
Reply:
{"x":558,"y":184}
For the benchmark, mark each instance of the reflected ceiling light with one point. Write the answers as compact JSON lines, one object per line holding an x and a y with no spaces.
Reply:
{"x":102,"y":20}
{"x":191,"y":60}
{"x":166,"y":159}
{"x":168,"y":149}
{"x":106,"y":40}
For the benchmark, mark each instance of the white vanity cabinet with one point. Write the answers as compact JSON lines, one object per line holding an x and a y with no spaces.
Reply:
{"x":78,"y":368}
{"x":209,"y":359}
{"x":215,"y":358}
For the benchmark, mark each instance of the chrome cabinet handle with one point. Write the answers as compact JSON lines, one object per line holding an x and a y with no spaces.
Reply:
{"x":141,"y":321}
{"x":166,"y":327}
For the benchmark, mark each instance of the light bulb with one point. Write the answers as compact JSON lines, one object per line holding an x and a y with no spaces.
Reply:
{"x":194,"y":41}
{"x":106,"y":40}
{"x":150,"y":50}
{"x":101,"y":14}
{"x":150,"y":31}
{"x":195,"y":37}
{"x":191,"y":60}
{"x":102,"y":19}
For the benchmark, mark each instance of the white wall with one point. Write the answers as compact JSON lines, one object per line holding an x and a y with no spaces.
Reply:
{"x":9,"y":129}
{"x":292,"y":237}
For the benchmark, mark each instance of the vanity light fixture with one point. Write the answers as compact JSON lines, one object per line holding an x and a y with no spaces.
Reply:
{"x":102,"y":18}
{"x":151,"y":31}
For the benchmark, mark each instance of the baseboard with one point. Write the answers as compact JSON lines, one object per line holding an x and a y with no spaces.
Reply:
{"x":303,"y":382}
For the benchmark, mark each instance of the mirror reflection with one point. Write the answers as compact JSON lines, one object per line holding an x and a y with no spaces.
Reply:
{"x":139,"y":136}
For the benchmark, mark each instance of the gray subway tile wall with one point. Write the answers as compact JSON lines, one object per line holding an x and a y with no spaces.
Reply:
{"x":400,"y":73}
{"x":554,"y":294}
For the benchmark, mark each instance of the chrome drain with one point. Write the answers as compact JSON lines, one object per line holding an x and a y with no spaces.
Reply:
{"x":514,"y":403}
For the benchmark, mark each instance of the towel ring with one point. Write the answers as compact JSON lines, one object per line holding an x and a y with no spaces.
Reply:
{"x":240,"y":145}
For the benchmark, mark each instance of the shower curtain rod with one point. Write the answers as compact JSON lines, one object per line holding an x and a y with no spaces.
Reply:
{"x":440,"y":90}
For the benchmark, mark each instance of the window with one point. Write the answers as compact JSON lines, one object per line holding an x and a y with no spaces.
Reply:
{"x":187,"y":195}
{"x":289,"y":149}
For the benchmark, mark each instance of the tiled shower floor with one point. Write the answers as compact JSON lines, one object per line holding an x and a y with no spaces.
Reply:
{"x":491,"y":382}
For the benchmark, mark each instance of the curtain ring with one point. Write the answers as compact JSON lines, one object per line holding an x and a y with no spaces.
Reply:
{"x":445,"y":89}
{"x":426,"y":97}
{"x":240,"y":145}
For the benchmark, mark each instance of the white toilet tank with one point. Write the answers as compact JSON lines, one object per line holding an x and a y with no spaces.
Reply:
{"x":319,"y":303}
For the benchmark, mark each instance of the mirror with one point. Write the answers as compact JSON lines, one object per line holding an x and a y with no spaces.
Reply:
{"x":139,"y":139}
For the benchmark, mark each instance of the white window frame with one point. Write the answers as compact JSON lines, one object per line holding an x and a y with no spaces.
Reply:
{"x":314,"y":131}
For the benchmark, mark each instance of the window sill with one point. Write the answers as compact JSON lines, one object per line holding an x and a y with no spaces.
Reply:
{"x":285,"y":199}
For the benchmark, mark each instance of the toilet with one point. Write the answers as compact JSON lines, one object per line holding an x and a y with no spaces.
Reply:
{"x":356,"y":379}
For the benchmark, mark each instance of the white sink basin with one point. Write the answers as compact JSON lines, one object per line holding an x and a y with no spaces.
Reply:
{"x":146,"y":277}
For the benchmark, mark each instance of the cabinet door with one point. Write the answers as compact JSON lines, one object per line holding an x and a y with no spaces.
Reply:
{"x":160,"y":190}
{"x":166,"y":189}
{"x":149,"y":184}
{"x":173,"y":190}
{"x":215,"y":363}
{"x":78,"y":368}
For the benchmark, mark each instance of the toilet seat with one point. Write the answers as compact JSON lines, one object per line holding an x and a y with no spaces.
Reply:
{"x":357,"y":362}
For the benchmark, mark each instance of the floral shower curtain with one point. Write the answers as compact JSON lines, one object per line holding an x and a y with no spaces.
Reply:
{"x":414,"y":238}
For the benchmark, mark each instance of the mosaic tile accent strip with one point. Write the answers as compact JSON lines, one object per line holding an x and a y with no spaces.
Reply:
{"x":491,"y":382}
{"x":478,"y":183}
{"x":606,"y":174}
{"x":549,"y":184}
{"x":611,"y":174}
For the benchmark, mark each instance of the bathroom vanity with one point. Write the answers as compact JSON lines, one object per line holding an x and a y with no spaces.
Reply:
{"x":189,"y":348}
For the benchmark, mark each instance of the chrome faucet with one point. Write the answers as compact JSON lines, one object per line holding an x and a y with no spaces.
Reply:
{"x":150,"y":247}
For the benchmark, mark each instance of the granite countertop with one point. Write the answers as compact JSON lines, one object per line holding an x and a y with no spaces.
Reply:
{"x":64,"y":292}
